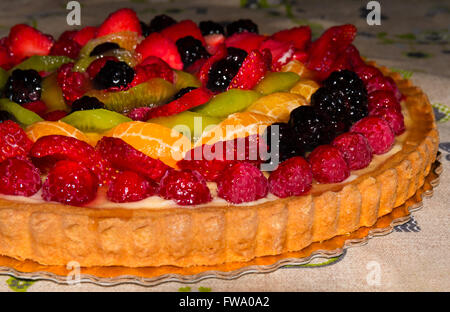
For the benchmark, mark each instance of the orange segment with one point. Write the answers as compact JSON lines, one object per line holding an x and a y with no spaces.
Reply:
{"x":277,"y":105}
{"x":237,"y":125}
{"x":44,"y":128}
{"x":305,"y":88}
{"x":299,"y":68}
{"x":154,"y":140}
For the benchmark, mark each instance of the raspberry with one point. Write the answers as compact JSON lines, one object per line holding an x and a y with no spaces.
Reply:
{"x":19,"y":177}
{"x":393,"y":117}
{"x":184,"y":187}
{"x":366,"y":72}
{"x":293,"y":177}
{"x":66,"y":47}
{"x":242,"y":183}
{"x":378,"y":133}
{"x":48,"y":149}
{"x":13,"y":140}
{"x":139,"y":113}
{"x":130,"y":187}
{"x":355,"y":149}
{"x":328,"y":165}
{"x":37,"y":107}
{"x":123,"y":156}
{"x":211,"y":160}
{"x":73,"y":84}
{"x":383,"y":99}
{"x":69,"y":182}
{"x":383,"y":83}
{"x":54,"y":115}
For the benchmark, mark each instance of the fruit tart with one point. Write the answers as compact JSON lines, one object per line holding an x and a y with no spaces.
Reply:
{"x":176,"y":143}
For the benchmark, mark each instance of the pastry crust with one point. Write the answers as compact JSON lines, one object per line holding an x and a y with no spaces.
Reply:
{"x":55,"y":234}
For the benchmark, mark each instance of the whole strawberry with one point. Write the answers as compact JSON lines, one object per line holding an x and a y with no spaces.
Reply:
{"x":184,"y":187}
{"x":69,"y":182}
{"x":293,"y":177}
{"x":242,"y":183}
{"x":19,"y":177}
{"x":328,"y":165}
{"x":130,"y":187}
{"x":13,"y":140}
{"x":378,"y":133}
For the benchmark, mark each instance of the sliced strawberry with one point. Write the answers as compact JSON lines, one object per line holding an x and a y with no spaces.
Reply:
{"x":119,"y":21}
{"x":5,"y":58}
{"x":37,"y":107}
{"x":300,"y":36}
{"x":157,"y":45}
{"x":251,"y":72}
{"x":204,"y":70}
{"x":301,"y":56}
{"x":84,"y":35}
{"x":282,"y":52}
{"x":191,"y":99}
{"x":146,"y":72}
{"x":25,"y":41}
{"x":183,"y":29}
{"x":213,"y":43}
{"x":245,"y":40}
{"x":325,"y":50}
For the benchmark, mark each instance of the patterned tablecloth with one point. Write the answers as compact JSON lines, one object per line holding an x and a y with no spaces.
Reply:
{"x":413,"y":38}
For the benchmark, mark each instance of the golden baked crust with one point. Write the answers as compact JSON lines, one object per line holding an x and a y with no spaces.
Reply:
{"x":55,"y":234}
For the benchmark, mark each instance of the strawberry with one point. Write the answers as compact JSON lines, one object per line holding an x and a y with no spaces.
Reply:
{"x":203,"y":73}
{"x":282,"y":52}
{"x":251,"y":72}
{"x":213,"y":43}
{"x":25,"y":41}
{"x":66,"y":47}
{"x":119,"y":21}
{"x":54,"y":115}
{"x":13,"y":140}
{"x":300,"y":56}
{"x":300,"y":36}
{"x":5,"y":58}
{"x":144,"y":73}
{"x":324,"y":51}
{"x":84,"y":35}
{"x":189,"y":100}
{"x":157,"y":45}
{"x":246,"y":41}
{"x":37,"y":107}
{"x":183,"y":29}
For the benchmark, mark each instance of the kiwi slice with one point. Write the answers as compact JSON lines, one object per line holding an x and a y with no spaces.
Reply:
{"x":277,"y":82}
{"x":52,"y":94}
{"x":95,"y":120}
{"x":151,"y":93}
{"x":183,"y":80}
{"x":127,"y":40}
{"x":4,"y":75}
{"x":195,"y":122}
{"x":23,"y":116}
{"x":131,"y":58}
{"x":47,"y":63}
{"x":229,"y":102}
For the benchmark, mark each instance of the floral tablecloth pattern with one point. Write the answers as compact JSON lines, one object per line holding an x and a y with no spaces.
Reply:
{"x":413,"y":39}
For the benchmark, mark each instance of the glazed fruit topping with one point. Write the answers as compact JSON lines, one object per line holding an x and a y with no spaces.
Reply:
{"x":73,"y":84}
{"x":242,"y":25}
{"x":123,"y":156}
{"x":114,"y":76}
{"x":191,"y":50}
{"x":293,"y":177}
{"x":282,"y":142}
{"x":251,"y":72}
{"x":159,"y":22}
{"x":211,"y":28}
{"x":328,"y":165}
{"x":120,"y":21}
{"x":378,"y":133}
{"x":70,"y":182}
{"x":104,"y":48}
{"x":23,"y":86}
{"x":159,"y":46}
{"x":4,"y":116}
{"x":184,"y":187}
{"x":13,"y":140}
{"x":393,"y":117}
{"x":242,"y":182}
{"x":130,"y":187}
{"x":355,"y":149}
{"x":299,"y":36}
{"x":18,"y":176}
{"x":86,"y":103}
{"x":383,"y":99}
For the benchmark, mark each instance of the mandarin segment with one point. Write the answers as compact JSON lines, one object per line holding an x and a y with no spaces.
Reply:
{"x":277,"y":105}
{"x":299,"y":68}
{"x":305,"y":88}
{"x":44,"y":128}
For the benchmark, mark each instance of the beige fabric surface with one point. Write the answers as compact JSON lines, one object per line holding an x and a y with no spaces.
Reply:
{"x":412,"y":258}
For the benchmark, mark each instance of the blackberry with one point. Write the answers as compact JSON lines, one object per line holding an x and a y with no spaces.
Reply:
{"x":310,"y":126}
{"x":160,"y":22}
{"x":343,"y":79}
{"x":145,"y":29}
{"x":211,"y":28}
{"x":4,"y":116}
{"x":191,"y":50}
{"x":236,"y":55}
{"x":282,"y":141}
{"x":183,"y":92}
{"x":242,"y":25}
{"x":103,"y":48}
{"x":23,"y":86}
{"x":220,"y":75}
{"x":114,"y":75}
{"x":86,"y":103}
